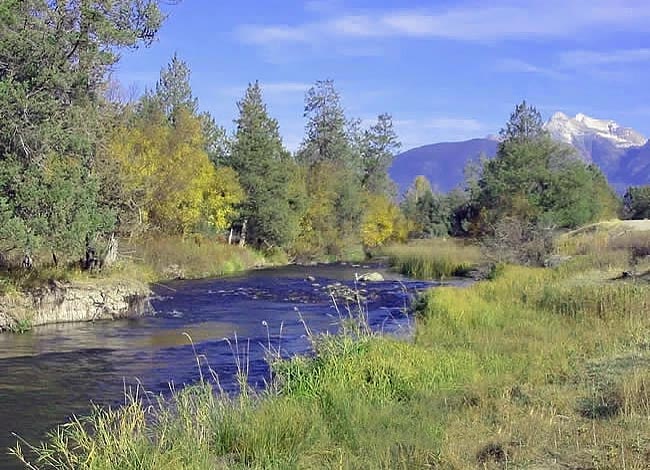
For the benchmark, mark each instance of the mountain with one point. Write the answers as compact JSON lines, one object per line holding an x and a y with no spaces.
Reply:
{"x":620,"y":152}
{"x":603,"y":142}
{"x":442,"y":163}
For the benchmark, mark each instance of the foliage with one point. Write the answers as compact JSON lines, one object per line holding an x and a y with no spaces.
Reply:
{"x":378,"y":146}
{"x":429,"y":213}
{"x":273,"y":207}
{"x":168,"y":178}
{"x":382,"y":221}
{"x":636,"y":202}
{"x":53,"y":62}
{"x":173,"y":90}
{"x":525,"y":125}
{"x":537,"y":184}
{"x":333,"y":176}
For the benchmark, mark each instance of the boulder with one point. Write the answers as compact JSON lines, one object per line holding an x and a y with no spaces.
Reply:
{"x":371,"y":277}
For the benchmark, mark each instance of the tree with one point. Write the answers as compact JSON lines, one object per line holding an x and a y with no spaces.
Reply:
{"x":173,"y":90}
{"x":265,"y":169}
{"x":326,"y":135}
{"x":218,"y":145}
{"x":333,"y":176}
{"x":379,"y":145}
{"x":636,"y":202}
{"x":382,"y":221}
{"x":525,"y":125}
{"x":168,"y":180}
{"x":428,"y":212}
{"x":53,"y":62}
{"x":533,"y":186}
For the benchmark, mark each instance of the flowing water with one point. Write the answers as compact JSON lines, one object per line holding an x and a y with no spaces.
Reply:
{"x":57,"y":371}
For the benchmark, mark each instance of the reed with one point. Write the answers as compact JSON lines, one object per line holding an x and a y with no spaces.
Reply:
{"x":433,"y":259}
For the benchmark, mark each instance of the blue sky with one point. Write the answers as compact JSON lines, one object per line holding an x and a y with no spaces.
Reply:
{"x":444,"y":70}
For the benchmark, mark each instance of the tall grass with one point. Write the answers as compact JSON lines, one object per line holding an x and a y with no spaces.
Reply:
{"x":436,"y":258}
{"x":191,"y":257}
{"x":537,"y":368}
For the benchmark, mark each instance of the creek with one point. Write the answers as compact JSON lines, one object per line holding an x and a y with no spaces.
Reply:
{"x":54,"y":372}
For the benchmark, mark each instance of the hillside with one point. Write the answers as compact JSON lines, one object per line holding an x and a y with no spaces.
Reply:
{"x":623,"y":154}
{"x":441,"y":163}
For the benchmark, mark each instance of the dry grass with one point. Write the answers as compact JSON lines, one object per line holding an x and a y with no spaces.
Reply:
{"x":535,"y":369}
{"x":192,"y":257}
{"x":436,"y":258}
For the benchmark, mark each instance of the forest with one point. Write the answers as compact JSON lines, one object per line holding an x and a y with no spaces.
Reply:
{"x":82,"y":166}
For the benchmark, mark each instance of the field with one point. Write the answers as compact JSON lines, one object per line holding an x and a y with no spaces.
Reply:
{"x":536,"y":368}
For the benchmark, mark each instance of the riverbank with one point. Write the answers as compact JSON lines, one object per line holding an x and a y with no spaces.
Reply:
{"x":48,"y":295}
{"x":535,"y":368}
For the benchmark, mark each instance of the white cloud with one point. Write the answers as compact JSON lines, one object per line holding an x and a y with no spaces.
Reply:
{"x":500,"y":20}
{"x":520,"y":66}
{"x":621,"y":56}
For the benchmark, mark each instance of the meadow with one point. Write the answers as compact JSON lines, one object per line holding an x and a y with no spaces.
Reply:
{"x":534,"y":368}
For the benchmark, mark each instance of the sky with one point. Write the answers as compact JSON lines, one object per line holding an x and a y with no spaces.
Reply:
{"x":445,"y":70}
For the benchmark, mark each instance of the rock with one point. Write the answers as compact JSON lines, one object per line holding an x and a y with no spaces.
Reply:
{"x":556,"y":260}
{"x":310,"y":279}
{"x":371,"y":277}
{"x":174,"y":271}
{"x":61,"y":302}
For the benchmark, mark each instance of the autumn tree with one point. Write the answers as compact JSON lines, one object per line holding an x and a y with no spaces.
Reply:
{"x":169,"y":182}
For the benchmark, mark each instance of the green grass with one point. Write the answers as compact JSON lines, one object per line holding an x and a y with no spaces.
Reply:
{"x":433,"y":259}
{"x":192,"y":257}
{"x":536,"y":368}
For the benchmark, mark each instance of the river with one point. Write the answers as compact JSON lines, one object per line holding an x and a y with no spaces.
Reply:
{"x":56,"y":371}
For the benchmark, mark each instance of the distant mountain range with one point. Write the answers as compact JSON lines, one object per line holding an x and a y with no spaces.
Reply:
{"x":622,"y":153}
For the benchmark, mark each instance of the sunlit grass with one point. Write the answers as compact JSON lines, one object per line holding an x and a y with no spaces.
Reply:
{"x":536,"y":368}
{"x":192,"y":257}
{"x":432,"y":259}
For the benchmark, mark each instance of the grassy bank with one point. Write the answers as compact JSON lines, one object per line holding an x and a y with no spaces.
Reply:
{"x":149,"y":260}
{"x":537,"y":368}
{"x":435,"y":258}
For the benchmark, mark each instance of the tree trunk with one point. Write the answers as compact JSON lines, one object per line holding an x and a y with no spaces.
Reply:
{"x":230,"y":237}
{"x":242,"y":237}
{"x":111,"y":252}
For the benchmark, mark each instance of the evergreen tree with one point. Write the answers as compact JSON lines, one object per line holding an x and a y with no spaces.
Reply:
{"x":636,"y":202}
{"x":539,"y":181}
{"x":525,"y":125}
{"x":379,"y":145}
{"x":173,"y":89}
{"x":53,"y":63}
{"x":333,"y":172}
{"x":326,"y":137}
{"x":264,"y":166}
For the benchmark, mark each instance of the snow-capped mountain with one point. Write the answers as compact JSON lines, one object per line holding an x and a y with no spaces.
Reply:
{"x":575,"y":130}
{"x":622,"y":153}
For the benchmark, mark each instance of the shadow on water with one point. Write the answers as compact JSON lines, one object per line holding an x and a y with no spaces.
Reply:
{"x":57,"y":371}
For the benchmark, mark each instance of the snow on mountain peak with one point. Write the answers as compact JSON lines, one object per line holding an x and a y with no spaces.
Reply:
{"x":571,"y":130}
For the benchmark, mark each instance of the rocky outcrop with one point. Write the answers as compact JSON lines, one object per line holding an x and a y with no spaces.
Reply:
{"x":60,"y":302}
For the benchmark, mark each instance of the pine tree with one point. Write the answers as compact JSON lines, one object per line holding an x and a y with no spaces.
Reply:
{"x":173,"y":89}
{"x":379,"y":145}
{"x":264,"y":167}
{"x":53,"y":64}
